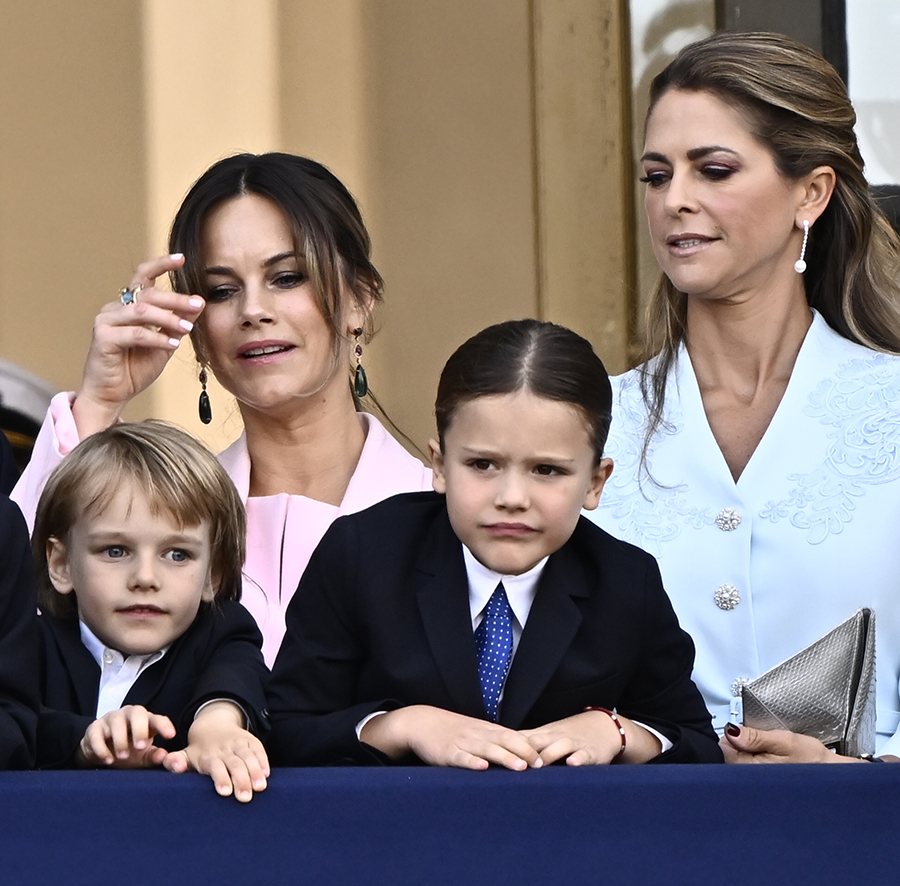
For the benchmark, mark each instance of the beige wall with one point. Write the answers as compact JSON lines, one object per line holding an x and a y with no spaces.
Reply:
{"x":72,"y":174}
{"x":485,"y":140}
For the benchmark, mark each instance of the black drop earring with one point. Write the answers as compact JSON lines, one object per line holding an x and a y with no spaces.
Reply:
{"x":204,"y":406}
{"x":360,"y":382}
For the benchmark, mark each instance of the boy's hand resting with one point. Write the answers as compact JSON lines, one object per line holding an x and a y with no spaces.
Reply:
{"x":124,"y":739}
{"x":443,"y":738}
{"x":592,"y":738}
{"x":219,"y":746}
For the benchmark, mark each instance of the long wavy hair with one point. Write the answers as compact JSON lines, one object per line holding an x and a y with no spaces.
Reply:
{"x":795,"y":104}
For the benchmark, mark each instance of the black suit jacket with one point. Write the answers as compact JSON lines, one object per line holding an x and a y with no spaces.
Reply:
{"x":19,"y":695}
{"x":381,"y":619}
{"x":217,"y":657}
{"x":9,"y":472}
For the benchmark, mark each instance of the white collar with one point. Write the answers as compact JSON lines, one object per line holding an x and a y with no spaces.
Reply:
{"x":520,"y":589}
{"x":102,"y":653}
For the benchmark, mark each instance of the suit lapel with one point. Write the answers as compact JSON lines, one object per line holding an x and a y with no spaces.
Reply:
{"x":443,"y":598}
{"x":152,"y":680}
{"x":552,"y":624}
{"x":83,"y":671}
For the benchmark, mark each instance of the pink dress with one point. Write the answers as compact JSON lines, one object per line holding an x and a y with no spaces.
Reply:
{"x":282,"y":530}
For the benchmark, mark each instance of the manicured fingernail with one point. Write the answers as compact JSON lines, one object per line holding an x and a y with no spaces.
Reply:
{"x":186,"y":325}
{"x":173,"y":342}
{"x":195,"y":302}
{"x":176,"y":255}
{"x":122,"y":755}
{"x":140,"y":745}
{"x":537,"y":763}
{"x":733,"y":729}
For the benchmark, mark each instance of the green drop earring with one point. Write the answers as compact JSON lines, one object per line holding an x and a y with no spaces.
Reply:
{"x":360,"y":382}
{"x":204,"y":406}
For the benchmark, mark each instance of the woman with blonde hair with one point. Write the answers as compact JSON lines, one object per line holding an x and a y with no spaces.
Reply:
{"x":757,"y":446}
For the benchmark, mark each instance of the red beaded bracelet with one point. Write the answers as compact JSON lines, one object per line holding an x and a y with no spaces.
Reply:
{"x":619,"y":726}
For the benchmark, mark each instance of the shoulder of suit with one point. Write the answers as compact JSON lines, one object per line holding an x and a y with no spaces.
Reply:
{"x":223,"y":613}
{"x":591,"y":536}
{"x":398,"y":508}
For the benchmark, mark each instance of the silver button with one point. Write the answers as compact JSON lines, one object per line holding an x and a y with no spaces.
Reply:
{"x":728,"y":520}
{"x":108,"y":656}
{"x":738,"y":686}
{"x":727,"y":597}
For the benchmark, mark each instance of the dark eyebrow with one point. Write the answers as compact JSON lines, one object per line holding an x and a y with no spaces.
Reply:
{"x":282,"y":256}
{"x":268,"y":263}
{"x":692,"y":154}
{"x":697,"y":153}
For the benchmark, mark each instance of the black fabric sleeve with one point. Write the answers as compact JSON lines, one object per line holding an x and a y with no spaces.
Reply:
{"x":19,"y":656}
{"x":661,"y":692}
{"x":232,"y":666}
{"x":311,"y":694}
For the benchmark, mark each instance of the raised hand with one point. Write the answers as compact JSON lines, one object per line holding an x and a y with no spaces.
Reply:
{"x":131,"y":345}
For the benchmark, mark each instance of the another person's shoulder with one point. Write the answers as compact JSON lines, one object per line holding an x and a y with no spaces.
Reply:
{"x":835,"y":353}
{"x":386,"y":464}
{"x":11,"y":518}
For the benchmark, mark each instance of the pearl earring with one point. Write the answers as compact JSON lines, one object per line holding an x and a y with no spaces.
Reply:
{"x":800,"y":264}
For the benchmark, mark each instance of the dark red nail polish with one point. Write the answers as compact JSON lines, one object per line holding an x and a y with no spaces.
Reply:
{"x":733,"y":729}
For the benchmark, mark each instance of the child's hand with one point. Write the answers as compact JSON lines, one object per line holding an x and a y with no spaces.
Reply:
{"x":591,"y":738}
{"x":443,"y":738}
{"x":124,"y":739}
{"x":219,"y":746}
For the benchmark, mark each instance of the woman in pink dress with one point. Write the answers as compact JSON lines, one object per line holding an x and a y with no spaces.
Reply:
{"x":276,"y":251}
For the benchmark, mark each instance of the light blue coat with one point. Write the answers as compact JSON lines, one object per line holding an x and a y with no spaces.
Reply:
{"x":808,"y":534}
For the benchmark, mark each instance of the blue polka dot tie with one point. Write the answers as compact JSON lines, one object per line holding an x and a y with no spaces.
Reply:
{"x":493,"y":643}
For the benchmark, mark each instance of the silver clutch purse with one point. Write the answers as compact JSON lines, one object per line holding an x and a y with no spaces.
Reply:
{"x":826,"y":690}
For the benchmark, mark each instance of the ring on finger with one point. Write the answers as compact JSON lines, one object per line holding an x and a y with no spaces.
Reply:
{"x":128,"y":295}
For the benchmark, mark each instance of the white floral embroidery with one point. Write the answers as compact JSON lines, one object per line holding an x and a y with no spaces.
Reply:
{"x":647,"y":514}
{"x":861,"y":404}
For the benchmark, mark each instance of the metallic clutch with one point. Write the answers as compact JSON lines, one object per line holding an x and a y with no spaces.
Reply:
{"x":826,"y":690}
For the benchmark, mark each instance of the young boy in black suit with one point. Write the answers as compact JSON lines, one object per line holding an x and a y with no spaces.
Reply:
{"x":148,"y":658}
{"x":489,"y":623}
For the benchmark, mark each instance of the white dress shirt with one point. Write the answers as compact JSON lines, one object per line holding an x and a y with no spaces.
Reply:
{"x":118,"y":673}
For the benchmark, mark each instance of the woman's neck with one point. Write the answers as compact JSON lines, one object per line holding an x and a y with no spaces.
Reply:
{"x":745,"y":345}
{"x":743,"y":353}
{"x":312,"y":450}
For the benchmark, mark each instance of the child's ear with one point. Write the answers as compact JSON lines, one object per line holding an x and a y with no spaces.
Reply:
{"x":437,"y":466}
{"x":598,"y":481}
{"x":58,"y":566}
